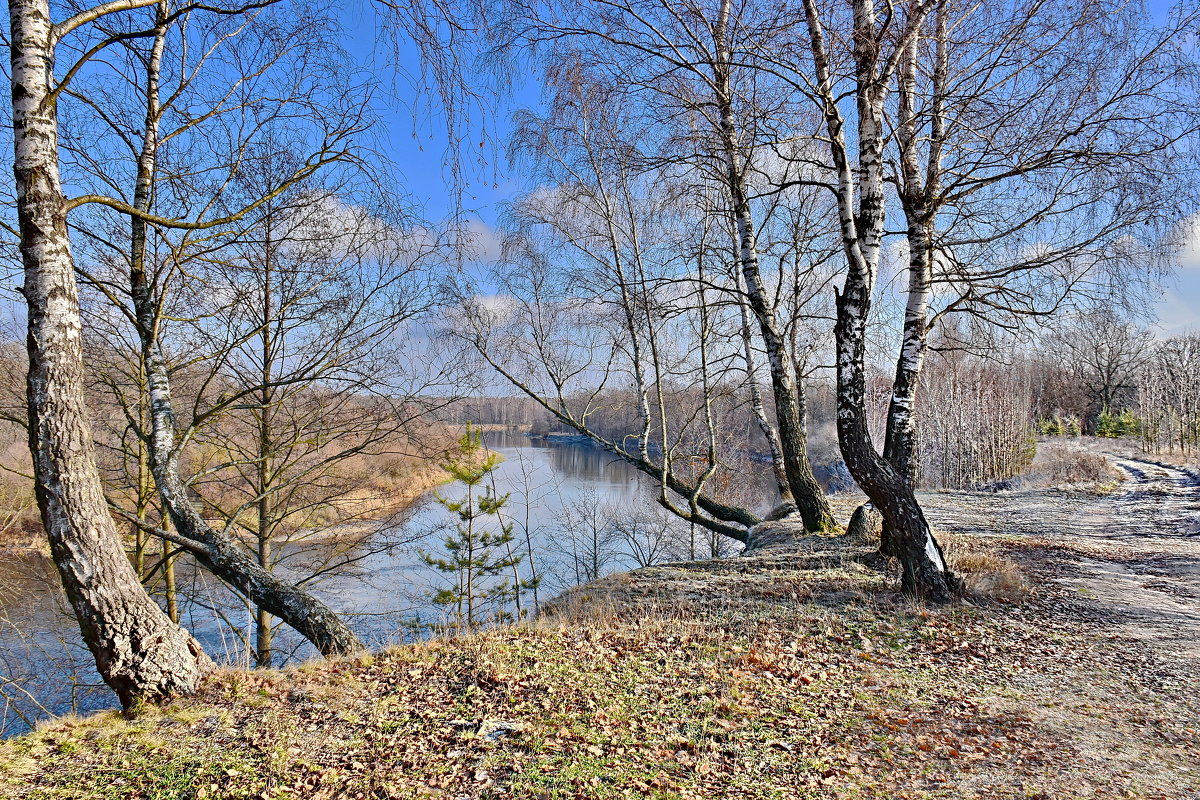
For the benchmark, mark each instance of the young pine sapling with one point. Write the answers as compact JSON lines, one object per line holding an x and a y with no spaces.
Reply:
{"x":479,"y":558}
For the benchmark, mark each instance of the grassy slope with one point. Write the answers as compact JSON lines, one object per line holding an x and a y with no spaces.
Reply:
{"x":797,"y":673}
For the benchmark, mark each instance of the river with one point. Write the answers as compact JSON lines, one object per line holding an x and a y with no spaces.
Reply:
{"x":562,"y":493}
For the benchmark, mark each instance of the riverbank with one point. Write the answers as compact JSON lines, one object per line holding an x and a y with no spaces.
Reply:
{"x":379,"y":492}
{"x":795,"y":672}
{"x":385,"y":587}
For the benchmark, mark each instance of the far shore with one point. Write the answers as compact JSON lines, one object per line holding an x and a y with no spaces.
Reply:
{"x":380,"y":503}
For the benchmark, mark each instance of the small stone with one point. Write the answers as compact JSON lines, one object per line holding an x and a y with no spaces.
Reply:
{"x":866,"y":525}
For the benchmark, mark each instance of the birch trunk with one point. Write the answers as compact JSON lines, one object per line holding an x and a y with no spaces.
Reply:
{"x":139,"y":652}
{"x":900,"y":439}
{"x":778,"y":466}
{"x":924,"y":567}
{"x":789,"y":406}
{"x":216,"y":551}
{"x":911,"y":540}
{"x":918,"y":197}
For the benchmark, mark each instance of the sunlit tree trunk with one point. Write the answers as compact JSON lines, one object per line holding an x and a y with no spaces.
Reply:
{"x":806,"y":492}
{"x":218,"y":552}
{"x":861,"y":216}
{"x":918,"y":198}
{"x":139,"y":652}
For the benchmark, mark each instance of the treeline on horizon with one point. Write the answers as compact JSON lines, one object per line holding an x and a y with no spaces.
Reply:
{"x":1098,"y":375}
{"x":805,"y":234}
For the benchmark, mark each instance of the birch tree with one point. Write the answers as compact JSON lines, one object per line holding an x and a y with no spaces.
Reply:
{"x":33,"y":50}
{"x":875,"y":42}
{"x":1034,"y":144}
{"x":139,"y":652}
{"x":280,"y":50}
{"x":595,"y":293}
{"x":787,"y":393}
{"x":688,"y":73}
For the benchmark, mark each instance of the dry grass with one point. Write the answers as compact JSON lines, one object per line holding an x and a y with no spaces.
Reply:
{"x":796,"y":673}
{"x":1059,"y":464}
{"x":984,"y":570}
{"x":20,"y":525}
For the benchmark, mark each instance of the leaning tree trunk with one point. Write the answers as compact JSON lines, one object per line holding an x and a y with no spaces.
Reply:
{"x":778,"y":465}
{"x":807,"y":493}
{"x":139,"y":652}
{"x":216,"y":551}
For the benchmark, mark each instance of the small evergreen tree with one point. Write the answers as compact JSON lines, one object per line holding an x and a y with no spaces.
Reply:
{"x":1106,"y":425}
{"x":1128,"y":423}
{"x":479,"y":558}
{"x":1049,"y":426}
{"x":1072,"y":426}
{"x":1028,"y":453}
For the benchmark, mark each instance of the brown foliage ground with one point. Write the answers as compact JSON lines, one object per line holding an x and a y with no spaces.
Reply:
{"x":798,"y":672}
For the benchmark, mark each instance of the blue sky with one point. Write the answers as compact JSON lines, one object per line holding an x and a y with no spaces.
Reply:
{"x":1178,"y":309}
{"x":415,"y":141}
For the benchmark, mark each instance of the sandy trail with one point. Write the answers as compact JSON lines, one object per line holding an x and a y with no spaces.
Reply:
{"x":1133,"y":554}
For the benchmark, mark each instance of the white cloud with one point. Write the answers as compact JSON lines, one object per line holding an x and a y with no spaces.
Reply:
{"x":1179,"y":308}
{"x":1188,"y":233}
{"x":485,"y":241}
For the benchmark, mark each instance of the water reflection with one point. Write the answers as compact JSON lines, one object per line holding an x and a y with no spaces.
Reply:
{"x":44,"y":667}
{"x":383,"y":591}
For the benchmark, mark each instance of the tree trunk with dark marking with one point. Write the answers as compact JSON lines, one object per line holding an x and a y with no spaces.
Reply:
{"x":216,"y":551}
{"x":139,"y":652}
{"x":861,"y":215}
{"x":787,"y":392}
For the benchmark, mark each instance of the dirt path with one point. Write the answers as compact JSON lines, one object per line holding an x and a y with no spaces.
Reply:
{"x":1132,"y":554}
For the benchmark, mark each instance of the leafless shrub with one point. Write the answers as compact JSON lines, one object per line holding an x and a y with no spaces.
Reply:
{"x":1168,"y":397}
{"x":1060,"y":465}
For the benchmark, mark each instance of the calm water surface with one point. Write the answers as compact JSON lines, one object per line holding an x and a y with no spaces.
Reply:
{"x":46,"y":671}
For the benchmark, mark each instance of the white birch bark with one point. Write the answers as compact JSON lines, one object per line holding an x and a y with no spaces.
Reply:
{"x":216,"y":551}
{"x":806,"y":492}
{"x":862,"y":220}
{"x":139,"y":652}
{"x":919,"y":197}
